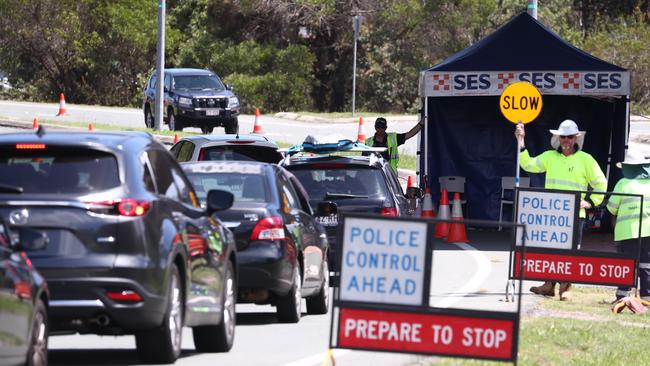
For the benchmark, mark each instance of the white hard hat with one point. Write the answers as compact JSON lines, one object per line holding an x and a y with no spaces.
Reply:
{"x":634,"y":157}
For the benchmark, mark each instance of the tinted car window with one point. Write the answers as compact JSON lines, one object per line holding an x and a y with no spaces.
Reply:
{"x":59,"y":170}
{"x":245,"y":187}
{"x":162,"y":174}
{"x":198,"y":82}
{"x":184,"y":153}
{"x":367,"y":183}
{"x":241,"y":153}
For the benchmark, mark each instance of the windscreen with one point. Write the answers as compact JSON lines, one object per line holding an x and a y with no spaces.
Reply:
{"x":325,"y":184}
{"x":198,"y":82}
{"x":57,"y":170}
{"x":245,"y":187}
{"x":241,"y":153}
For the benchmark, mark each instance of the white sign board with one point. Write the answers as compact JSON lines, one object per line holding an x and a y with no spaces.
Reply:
{"x":470,"y":83}
{"x":550,"y":219}
{"x":383,"y":261}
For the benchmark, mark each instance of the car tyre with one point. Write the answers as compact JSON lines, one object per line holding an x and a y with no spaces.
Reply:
{"x":206,"y":130}
{"x":174,"y":123}
{"x":231,"y":126}
{"x":163,"y":343}
{"x":289,"y":305}
{"x":148,"y":118}
{"x":219,"y":338}
{"x":318,"y":305}
{"x":37,"y":351}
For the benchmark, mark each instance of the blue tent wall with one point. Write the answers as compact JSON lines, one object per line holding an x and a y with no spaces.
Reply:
{"x":468,"y":136}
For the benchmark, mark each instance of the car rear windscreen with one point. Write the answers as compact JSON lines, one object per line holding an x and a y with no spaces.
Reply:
{"x":241,"y":153}
{"x":323,"y":184}
{"x":245,"y":187}
{"x":56,"y":170}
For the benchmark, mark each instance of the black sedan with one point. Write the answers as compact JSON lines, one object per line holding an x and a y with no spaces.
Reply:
{"x":282,"y":250}
{"x":24,"y":299}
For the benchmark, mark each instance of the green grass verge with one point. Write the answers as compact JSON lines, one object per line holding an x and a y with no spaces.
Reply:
{"x":579,"y":332}
{"x":347,"y":114}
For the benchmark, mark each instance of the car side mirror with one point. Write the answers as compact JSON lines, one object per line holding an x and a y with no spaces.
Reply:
{"x":219,"y":200}
{"x":228,"y":87}
{"x":30,"y":240}
{"x":414,"y":192}
{"x":326,"y":208}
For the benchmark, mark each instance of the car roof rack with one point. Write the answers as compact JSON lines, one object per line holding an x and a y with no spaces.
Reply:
{"x":311,"y":146}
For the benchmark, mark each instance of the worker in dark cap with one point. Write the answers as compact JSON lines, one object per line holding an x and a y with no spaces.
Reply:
{"x":391,"y":140}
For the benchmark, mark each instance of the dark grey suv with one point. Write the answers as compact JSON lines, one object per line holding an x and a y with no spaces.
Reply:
{"x":193,"y":98}
{"x":126,"y":247}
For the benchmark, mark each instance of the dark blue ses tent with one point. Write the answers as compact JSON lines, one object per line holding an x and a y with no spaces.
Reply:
{"x":466,"y":134}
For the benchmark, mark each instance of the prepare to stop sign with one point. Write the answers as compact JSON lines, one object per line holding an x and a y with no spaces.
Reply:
{"x":520,"y":102}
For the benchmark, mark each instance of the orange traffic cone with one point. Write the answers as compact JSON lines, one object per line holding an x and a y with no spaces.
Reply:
{"x":427,"y":204}
{"x":62,"y":110}
{"x":442,"y":228}
{"x":90,"y":127}
{"x":361,"y":134}
{"x":35,"y":124}
{"x":175,"y":138}
{"x":457,"y":232}
{"x":257,"y":128}
{"x":409,"y":182}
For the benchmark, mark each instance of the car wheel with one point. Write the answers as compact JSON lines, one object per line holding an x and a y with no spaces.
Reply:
{"x":174,"y":123}
{"x":288,"y":306}
{"x":163,"y":344}
{"x":219,"y":338}
{"x":232,"y":126}
{"x":318,"y":304}
{"x":207,"y":130}
{"x":37,"y":351}
{"x":148,"y":118}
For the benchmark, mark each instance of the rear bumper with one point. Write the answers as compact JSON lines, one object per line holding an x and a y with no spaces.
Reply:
{"x":266,"y":265}
{"x":81,"y":305}
{"x":198,"y":116}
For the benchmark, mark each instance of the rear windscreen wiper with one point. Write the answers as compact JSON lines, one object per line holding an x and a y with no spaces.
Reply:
{"x":5,"y":188}
{"x":343,"y":195}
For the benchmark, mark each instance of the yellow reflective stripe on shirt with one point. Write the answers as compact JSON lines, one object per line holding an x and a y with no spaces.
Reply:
{"x":556,"y":183}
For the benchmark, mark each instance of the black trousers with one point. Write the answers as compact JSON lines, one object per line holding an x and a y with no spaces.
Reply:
{"x":631,"y":247}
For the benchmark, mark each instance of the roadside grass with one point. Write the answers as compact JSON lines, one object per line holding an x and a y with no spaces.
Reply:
{"x":357,"y":113}
{"x":407,"y":161}
{"x":582,"y":331}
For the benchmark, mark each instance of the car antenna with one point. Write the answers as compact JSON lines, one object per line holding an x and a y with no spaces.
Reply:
{"x":40,"y":131}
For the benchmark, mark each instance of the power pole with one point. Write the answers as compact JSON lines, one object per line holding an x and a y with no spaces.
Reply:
{"x":160,"y":66}
{"x":356,"y":24}
{"x":532,"y":8}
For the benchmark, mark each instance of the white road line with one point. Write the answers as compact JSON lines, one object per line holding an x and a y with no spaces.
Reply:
{"x":318,"y":359}
{"x":483,"y":270}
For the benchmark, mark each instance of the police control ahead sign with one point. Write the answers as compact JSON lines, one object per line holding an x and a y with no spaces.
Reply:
{"x":549,"y":217}
{"x":383,"y":261}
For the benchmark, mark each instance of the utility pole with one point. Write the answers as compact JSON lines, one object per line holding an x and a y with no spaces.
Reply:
{"x":532,"y":8}
{"x":160,"y":66}
{"x":356,"y":24}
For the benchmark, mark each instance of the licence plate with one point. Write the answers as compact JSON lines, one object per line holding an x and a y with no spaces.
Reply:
{"x":212,"y":112}
{"x":331,"y":220}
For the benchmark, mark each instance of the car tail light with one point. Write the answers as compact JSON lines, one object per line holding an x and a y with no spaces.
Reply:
{"x":241,"y":142}
{"x":201,"y":154}
{"x":123,"y":207}
{"x":269,"y":228}
{"x":124,"y":296}
{"x":30,"y":146}
{"x":388,"y":211}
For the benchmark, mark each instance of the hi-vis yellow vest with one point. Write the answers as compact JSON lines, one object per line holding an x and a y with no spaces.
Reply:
{"x":626,"y":209}
{"x":575,"y":172}
{"x":393,"y":155}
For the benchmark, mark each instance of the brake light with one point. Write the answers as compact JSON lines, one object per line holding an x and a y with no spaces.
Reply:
{"x":269,"y":228}
{"x":30,"y":146}
{"x":388,"y":211}
{"x":240,"y":141}
{"x":123,"y":207}
{"x":124,"y":296}
{"x":201,"y":154}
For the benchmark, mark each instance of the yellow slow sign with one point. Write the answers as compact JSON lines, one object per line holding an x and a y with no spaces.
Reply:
{"x":520,"y":101}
